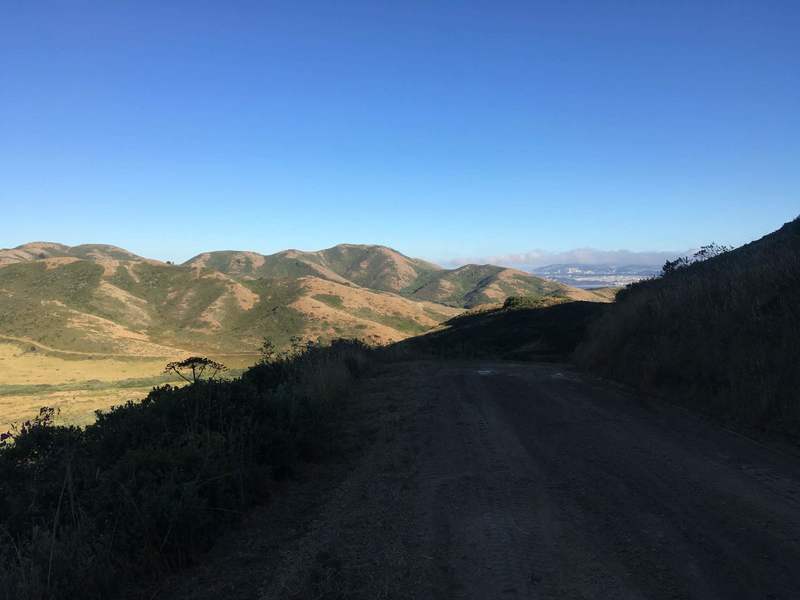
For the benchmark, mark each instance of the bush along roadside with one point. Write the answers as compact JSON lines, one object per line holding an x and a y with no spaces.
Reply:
{"x":148,"y":487}
{"x":719,"y":332}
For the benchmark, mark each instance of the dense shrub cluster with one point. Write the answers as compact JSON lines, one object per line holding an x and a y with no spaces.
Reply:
{"x":151,"y":484}
{"x":722,"y":334}
{"x":513,"y":302}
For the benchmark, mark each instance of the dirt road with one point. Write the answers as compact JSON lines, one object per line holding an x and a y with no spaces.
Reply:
{"x":526,"y":481}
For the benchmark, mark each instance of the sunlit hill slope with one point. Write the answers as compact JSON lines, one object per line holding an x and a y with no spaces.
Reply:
{"x":104,"y":299}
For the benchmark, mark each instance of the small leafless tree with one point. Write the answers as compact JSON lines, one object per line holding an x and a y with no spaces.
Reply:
{"x":193,"y":368}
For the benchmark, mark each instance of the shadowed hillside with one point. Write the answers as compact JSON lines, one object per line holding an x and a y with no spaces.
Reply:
{"x":722,"y":335}
{"x":547,"y":333}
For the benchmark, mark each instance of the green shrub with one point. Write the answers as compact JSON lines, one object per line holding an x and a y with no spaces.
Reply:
{"x":150,"y":485}
{"x":513,"y":302}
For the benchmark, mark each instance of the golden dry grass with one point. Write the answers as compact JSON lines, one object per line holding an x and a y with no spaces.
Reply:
{"x":21,"y":367}
{"x":76,"y":406}
{"x":322,"y":316}
{"x":77,"y":386}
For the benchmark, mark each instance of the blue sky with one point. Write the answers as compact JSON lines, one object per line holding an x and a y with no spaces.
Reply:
{"x":444,"y":129}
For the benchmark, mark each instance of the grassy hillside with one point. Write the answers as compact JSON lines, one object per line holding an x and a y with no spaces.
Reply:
{"x":94,"y":302}
{"x":71,"y":310}
{"x":145,"y":308}
{"x":721,"y":335}
{"x":135,"y":309}
{"x":384,"y":269}
{"x":549,"y":333}
{"x":103,"y":299}
{"x":374,"y":267}
{"x":251,"y":265}
{"x":474,"y":285}
{"x":43,"y":250}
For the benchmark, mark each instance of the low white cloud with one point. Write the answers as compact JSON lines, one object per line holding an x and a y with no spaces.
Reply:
{"x":585,"y":256}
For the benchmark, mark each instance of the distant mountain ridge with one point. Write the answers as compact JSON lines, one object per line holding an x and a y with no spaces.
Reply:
{"x":374,"y":267}
{"x":105,"y":299}
{"x":385,"y":269}
{"x":48,"y":250}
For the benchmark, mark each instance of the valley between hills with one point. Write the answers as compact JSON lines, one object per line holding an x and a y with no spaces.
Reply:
{"x":86,"y":327}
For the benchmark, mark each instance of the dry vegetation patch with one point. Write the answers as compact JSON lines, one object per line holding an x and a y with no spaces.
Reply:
{"x":80,"y":384}
{"x":59,"y":261}
{"x":75,"y":406}
{"x":380,"y":316}
{"x":21,"y":366}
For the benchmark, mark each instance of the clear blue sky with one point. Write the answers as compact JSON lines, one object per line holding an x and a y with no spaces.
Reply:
{"x":440,"y":128}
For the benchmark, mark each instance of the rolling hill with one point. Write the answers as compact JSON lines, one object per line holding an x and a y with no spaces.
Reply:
{"x":476,"y":285}
{"x":105,"y":300}
{"x":59,"y":253}
{"x":385,"y":269}
{"x":374,"y":267}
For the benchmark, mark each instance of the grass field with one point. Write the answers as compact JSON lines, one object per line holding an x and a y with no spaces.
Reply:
{"x":80,"y":384}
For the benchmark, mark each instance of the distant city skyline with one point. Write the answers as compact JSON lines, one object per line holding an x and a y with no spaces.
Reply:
{"x":584,"y":256}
